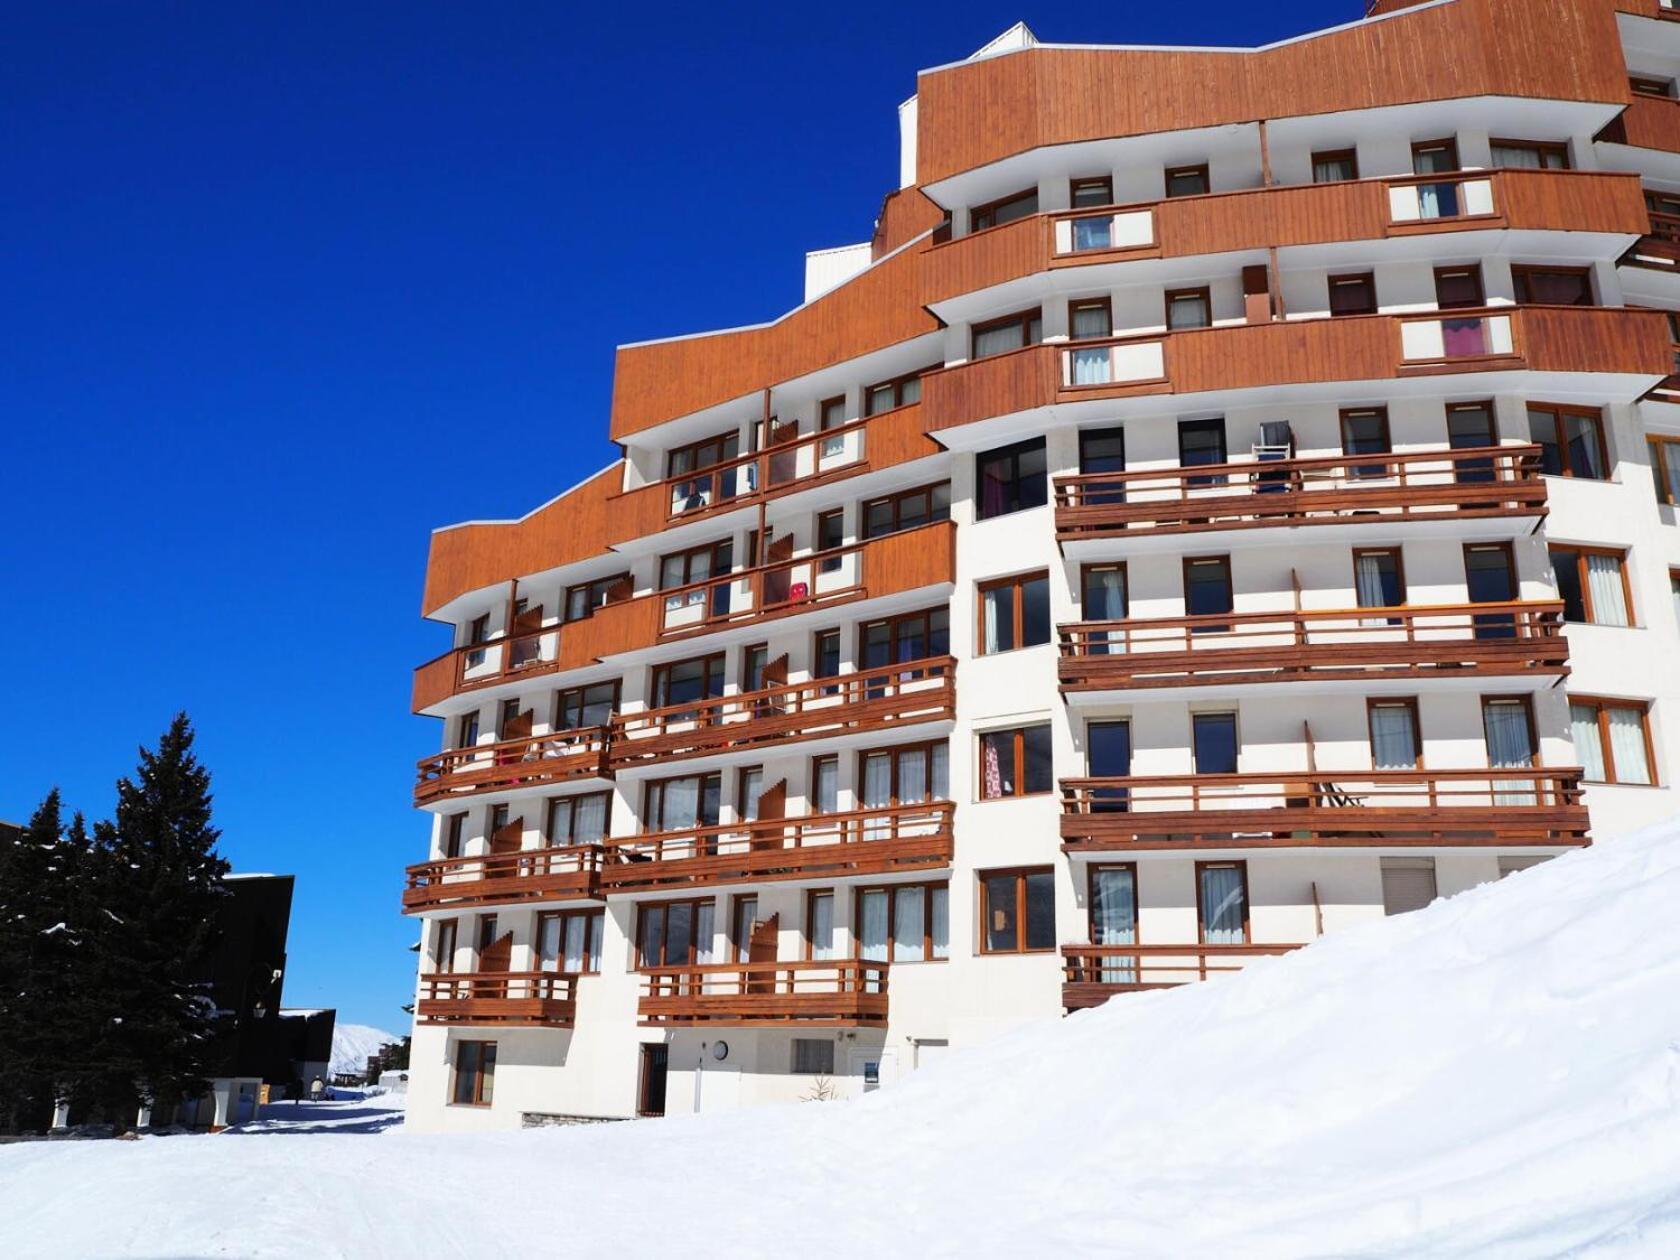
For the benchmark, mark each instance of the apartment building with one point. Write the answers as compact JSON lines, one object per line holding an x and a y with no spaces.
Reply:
{"x":1195,"y":522}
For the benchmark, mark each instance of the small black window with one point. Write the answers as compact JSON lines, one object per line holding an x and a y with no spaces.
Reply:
{"x":1012,"y":479}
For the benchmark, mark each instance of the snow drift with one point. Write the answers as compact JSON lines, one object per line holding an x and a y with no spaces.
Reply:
{"x":1498,"y":1074}
{"x":353,"y":1043}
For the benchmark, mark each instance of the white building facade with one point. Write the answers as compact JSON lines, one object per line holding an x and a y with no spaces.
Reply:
{"x":1186,"y":529}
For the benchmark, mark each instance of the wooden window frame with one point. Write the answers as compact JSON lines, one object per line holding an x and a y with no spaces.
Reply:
{"x":1474,"y":269}
{"x":1558,"y":411}
{"x":1024,"y":318}
{"x":1449,"y":143}
{"x":1667,"y":494}
{"x":1012,"y":452}
{"x":1103,"y":304}
{"x":892,"y":624}
{"x":807,"y":940}
{"x":1483,"y":405}
{"x":487,"y":927}
{"x":591,"y":960}
{"x":828,"y":562}
{"x":817,"y":760}
{"x":484,"y":1045}
{"x":1104,"y":566}
{"x":1367,"y":278}
{"x":1018,"y":611}
{"x":694,"y":904}
{"x":896,"y":501}
{"x":720,"y":440}
{"x":823,"y":426}
{"x":688,"y":554}
{"x":1522,"y":274}
{"x":465,"y":723}
{"x":1019,"y":874}
{"x":896,"y":384}
{"x":1104,"y":182}
{"x":1651,"y":85}
{"x":1580,"y":552}
{"x":1399,"y":554}
{"x":661,"y":673}
{"x":739,"y":803}
{"x":740,"y":950}
{"x":894,"y":752}
{"x":448,"y":934}
{"x":926,"y":889}
{"x":1018,"y":740}
{"x":1606,"y":753}
{"x":650,"y":785}
{"x":453,"y":843}
{"x":1527,"y":703}
{"x":576,"y":798}
{"x":1350,"y":156}
{"x":1356,"y":472}
{"x":1175,"y":172}
{"x":1091,"y":871}
{"x":1236,"y":733}
{"x":1373,"y":703}
{"x":588,"y":589}
{"x":1205,"y":292}
{"x":1556,"y":148}
{"x":1241,"y":865}
{"x":989,"y":209}
{"x":562,"y":695}
{"x":1230,"y":582}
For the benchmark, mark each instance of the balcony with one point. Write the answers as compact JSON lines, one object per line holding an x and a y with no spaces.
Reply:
{"x":1451,"y":485}
{"x":870,"y":700}
{"x":533,"y":761}
{"x":1648,"y":122}
{"x":1380,"y":808}
{"x":1604,"y":340}
{"x":844,"y":993}
{"x":567,"y":873}
{"x":1094,"y":973}
{"x":1504,"y":640}
{"x":501,"y":999}
{"x":888,"y":840}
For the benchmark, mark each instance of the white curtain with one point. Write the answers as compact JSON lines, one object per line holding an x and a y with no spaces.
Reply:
{"x":1583,"y":723}
{"x":597,"y":924}
{"x":1669,"y":453}
{"x":576,"y":930}
{"x":1393,"y":739}
{"x":1105,"y":600}
{"x":1222,"y":905}
{"x":997,"y":340}
{"x":1092,"y":365}
{"x":1609,"y":597}
{"x":548,"y":949}
{"x":825,"y":793}
{"x":941,"y":773}
{"x":1114,"y":922}
{"x":873,"y":930}
{"x":912,"y":777}
{"x":682,"y":804}
{"x":907,"y":929}
{"x":589,"y":820}
{"x":1508,"y":742}
{"x":877,"y":792}
{"x":1368,"y":584}
{"x":1507,"y":157}
{"x":822,"y":926}
{"x":1627,"y":746}
{"x":939,"y":914}
{"x":752,"y":784}
{"x":990,"y":604}
{"x":703,"y":933}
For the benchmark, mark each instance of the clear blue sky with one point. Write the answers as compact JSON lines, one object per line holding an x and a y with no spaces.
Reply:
{"x":283,"y":287}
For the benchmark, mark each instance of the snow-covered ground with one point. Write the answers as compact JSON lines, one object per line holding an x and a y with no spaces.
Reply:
{"x":1497,"y":1075}
{"x":353,"y":1043}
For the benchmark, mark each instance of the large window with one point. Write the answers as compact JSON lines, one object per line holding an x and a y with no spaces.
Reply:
{"x":1202,"y":443}
{"x":466,"y":729}
{"x":1012,"y":478}
{"x":1108,"y":755}
{"x":1213,"y":738}
{"x":1090,"y":319}
{"x":1379,"y":580}
{"x":1011,"y":332}
{"x":582,"y":600}
{"x":908,"y":509}
{"x":1490,"y":577}
{"x":901,"y":391}
{"x":819,"y":924}
{"x":1396,"y":743}
{"x":1015,"y":762}
{"x":904,"y":923}
{"x":687,"y":682}
{"x":454,"y":835}
{"x":475,"y":1074}
{"x":1470,"y":427}
{"x":1665,"y":469}
{"x":1014,"y":612}
{"x":580,"y":707}
{"x":1017,"y":205}
{"x":916,"y":636}
{"x":1365,"y":432}
{"x":813,"y":1056}
{"x":1222,"y":902}
{"x":912,"y":775}
{"x":675,"y":933}
{"x":1612,"y":739}
{"x":1530,"y":155}
{"x":570,"y":941}
{"x":578,"y":819}
{"x":677,"y":804}
{"x":1553,"y":286}
{"x":825,"y":784}
{"x":1593,"y":584}
{"x":1018,"y":910}
{"x":1207,"y":589}
{"x":695,"y":565}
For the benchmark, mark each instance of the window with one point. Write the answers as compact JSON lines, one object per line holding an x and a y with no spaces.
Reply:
{"x":443,"y":946}
{"x":680,"y":803}
{"x":1508,"y":727}
{"x":743,"y":915}
{"x":831,"y":413}
{"x":830,"y":533}
{"x":903,"y":923}
{"x":578,"y":819}
{"x":1649,"y":85}
{"x":813,"y":1057}
{"x":1458,"y":288}
{"x":1017,"y":205}
{"x":1408,"y":883}
{"x":696,"y":456}
{"x":1396,"y":743}
{"x":674,"y":933}
{"x":466,"y":730}
{"x":1187,"y":181}
{"x":1593,"y":584}
{"x":1665,"y":469}
{"x":486,"y":936}
{"x":901,"y":391}
{"x":1097,"y":190}
{"x":1379,"y":581}
{"x":1011,"y":332}
{"x":1365,"y":432}
{"x":1102,"y":595}
{"x":1014,"y":613}
{"x":1012,"y":478}
{"x":1553,"y":286}
{"x":1612,"y":739}
{"x":1108,"y":755}
{"x":695,"y":565}
{"x":1189,"y":308}
{"x":908,"y":509}
{"x":825,"y":784}
{"x":582,"y":600}
{"x":1207,"y":589}
{"x":754,"y":660}
{"x":1490,"y":577}
{"x":1102,"y":450}
{"x":1470,"y":427}
{"x":569,"y":941}
{"x":507,"y":721}
{"x":454,"y":835}
{"x":580,"y":707}
{"x":912,"y":775}
{"x":825,"y":657}
{"x":1089,"y":319}
{"x":478,"y":631}
{"x":916,"y":636}
{"x":749,"y":786}
{"x":686,"y":682}
{"x":1335,"y":166}
{"x":1530,"y":155}
{"x":1015,"y":762}
{"x":1222,"y":902}
{"x":1674,"y":590}
{"x":475,"y":1074}
{"x":1434,"y":157}
{"x":1202,"y":442}
{"x":819,"y":925}
{"x":1213,"y":737}
{"x":1018,"y":910}
{"x":1353,"y":294}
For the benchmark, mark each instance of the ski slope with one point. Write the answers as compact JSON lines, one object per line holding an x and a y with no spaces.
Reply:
{"x":353,"y":1043}
{"x":1496,"y":1075}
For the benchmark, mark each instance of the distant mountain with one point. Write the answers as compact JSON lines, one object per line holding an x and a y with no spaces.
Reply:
{"x":353,"y":1043}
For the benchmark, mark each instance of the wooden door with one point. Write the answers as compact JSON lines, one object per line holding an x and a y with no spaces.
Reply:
{"x":650,"y":1095}
{"x":762,"y":948}
{"x":772,"y":809}
{"x":778,"y":582}
{"x":509,"y":837}
{"x":497,"y":956}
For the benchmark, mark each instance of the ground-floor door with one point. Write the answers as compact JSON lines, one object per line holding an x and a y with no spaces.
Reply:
{"x":650,"y":1097}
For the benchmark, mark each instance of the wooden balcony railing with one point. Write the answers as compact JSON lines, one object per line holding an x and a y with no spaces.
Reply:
{"x":533,"y":761}
{"x":837,"y":993}
{"x":477,"y":665}
{"x":1094,"y":973}
{"x":888,"y":840}
{"x":869,"y":700}
{"x":545,"y":999}
{"x":1648,"y":122}
{"x":1325,"y":807}
{"x":1428,"y":641}
{"x":1321,"y":490}
{"x":1607,"y":340}
{"x":559,"y":874}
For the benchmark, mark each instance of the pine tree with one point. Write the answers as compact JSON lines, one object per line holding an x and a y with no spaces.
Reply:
{"x":26,"y":931}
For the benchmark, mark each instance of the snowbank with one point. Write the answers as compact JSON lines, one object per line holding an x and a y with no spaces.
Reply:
{"x":1496,"y":1075}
